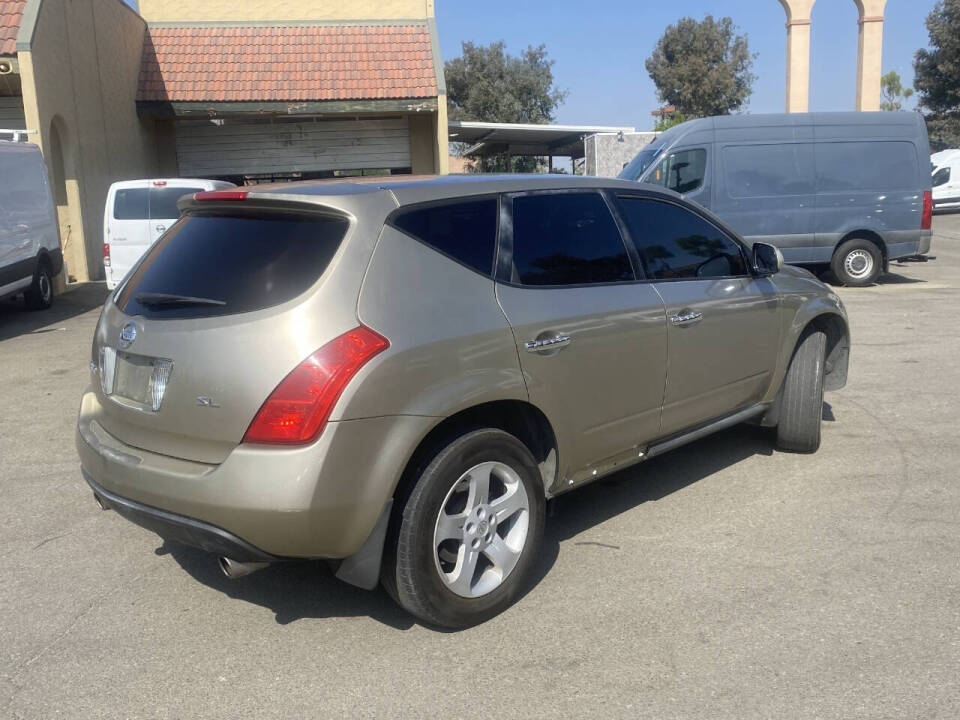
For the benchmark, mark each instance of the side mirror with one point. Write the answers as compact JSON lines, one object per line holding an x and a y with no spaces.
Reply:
{"x":767,"y":259}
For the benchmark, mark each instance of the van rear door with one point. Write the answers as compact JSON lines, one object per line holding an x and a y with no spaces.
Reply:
{"x":126,"y":227}
{"x":163,"y":202}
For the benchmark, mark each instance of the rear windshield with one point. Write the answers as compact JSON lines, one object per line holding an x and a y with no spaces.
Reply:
{"x":208,"y":265}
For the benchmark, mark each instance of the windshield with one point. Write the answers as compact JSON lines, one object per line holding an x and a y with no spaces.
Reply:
{"x":635,"y":169}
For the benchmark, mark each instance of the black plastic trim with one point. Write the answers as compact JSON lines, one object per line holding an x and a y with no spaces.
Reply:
{"x":180,"y":528}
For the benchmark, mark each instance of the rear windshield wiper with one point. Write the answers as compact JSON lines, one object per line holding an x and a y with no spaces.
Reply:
{"x":158,"y":300}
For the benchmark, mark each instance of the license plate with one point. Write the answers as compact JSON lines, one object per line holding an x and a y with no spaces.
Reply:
{"x":133,"y":377}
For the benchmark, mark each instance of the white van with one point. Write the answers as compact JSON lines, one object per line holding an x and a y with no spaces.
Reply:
{"x":946,"y":179}
{"x":30,"y":254}
{"x":138,"y":212}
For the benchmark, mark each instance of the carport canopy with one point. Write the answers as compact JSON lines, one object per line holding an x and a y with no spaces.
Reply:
{"x":520,"y":139}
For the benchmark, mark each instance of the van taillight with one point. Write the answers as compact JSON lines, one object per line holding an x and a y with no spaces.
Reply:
{"x":106,"y":254}
{"x":927,"y":221}
{"x":297,"y":410}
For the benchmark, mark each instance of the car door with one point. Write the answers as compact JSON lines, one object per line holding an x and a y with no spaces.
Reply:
{"x":591,"y":338}
{"x":127,"y":226}
{"x":723,"y":324}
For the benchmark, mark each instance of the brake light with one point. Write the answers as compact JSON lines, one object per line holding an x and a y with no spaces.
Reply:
{"x":159,"y":183}
{"x":106,"y":254}
{"x":297,"y":410}
{"x":926,"y":221}
{"x":217,"y":195}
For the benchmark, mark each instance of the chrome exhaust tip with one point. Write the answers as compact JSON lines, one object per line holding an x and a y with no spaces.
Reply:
{"x":233,"y":569}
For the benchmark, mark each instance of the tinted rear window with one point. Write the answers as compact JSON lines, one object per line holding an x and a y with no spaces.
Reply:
{"x":867,"y":166}
{"x":132,"y":204}
{"x":466,"y":231}
{"x":247,"y":263}
{"x":567,"y":239}
{"x":163,"y":201}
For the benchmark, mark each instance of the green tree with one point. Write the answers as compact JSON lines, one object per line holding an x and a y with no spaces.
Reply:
{"x":937,"y":75}
{"x":893,"y":91}
{"x":486,"y":83}
{"x":702,"y":68}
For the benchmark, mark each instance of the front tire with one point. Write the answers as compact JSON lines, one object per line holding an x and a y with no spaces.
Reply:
{"x":857,"y":263}
{"x":469,"y":532}
{"x":39,"y":296}
{"x":801,"y":405}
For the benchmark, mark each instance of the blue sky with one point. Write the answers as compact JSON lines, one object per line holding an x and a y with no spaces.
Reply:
{"x":600,"y":47}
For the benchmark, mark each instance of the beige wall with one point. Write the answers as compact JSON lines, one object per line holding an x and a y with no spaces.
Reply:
{"x":281,"y":10}
{"x":80,"y":76}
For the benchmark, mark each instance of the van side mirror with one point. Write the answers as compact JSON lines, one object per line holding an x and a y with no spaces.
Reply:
{"x":767,"y":259}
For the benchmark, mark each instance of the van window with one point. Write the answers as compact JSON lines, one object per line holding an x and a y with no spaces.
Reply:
{"x":941,"y":176}
{"x":768,"y":170}
{"x":675,"y":243}
{"x":465,"y":230}
{"x":163,"y":201}
{"x":567,"y":239}
{"x":240,"y":263}
{"x":682,"y":171}
{"x":866,"y":166}
{"x":131,"y":204}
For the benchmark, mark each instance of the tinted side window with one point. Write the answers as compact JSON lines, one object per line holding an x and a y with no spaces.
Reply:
{"x":131,"y":204}
{"x":857,"y":166}
{"x":245,"y":263}
{"x":163,"y":201}
{"x":466,"y":231}
{"x":768,"y":170}
{"x":675,"y":243}
{"x":941,"y":176}
{"x":567,"y":239}
{"x":681,"y":171}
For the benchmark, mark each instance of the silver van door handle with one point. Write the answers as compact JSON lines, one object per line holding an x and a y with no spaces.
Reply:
{"x":686,"y":317}
{"x":548,"y":343}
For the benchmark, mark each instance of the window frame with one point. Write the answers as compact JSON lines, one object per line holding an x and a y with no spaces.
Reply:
{"x":945,"y":169}
{"x":504,"y":262}
{"x":745,"y":254}
{"x":457,"y":200}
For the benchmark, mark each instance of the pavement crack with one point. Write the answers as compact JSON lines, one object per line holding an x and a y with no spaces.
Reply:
{"x":49,"y":540}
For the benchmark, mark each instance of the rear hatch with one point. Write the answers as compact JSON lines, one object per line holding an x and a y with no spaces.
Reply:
{"x":218,"y":312}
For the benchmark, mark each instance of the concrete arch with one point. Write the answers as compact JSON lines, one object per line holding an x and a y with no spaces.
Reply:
{"x":64,"y":186}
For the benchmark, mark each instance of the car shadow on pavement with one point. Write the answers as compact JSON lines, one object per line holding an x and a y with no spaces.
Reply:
{"x":577,"y":512}
{"x":16,"y":320}
{"x":893,"y":278}
{"x":301,"y":590}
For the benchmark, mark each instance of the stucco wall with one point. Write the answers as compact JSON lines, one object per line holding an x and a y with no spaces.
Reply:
{"x":283,"y":10}
{"x":606,"y":154}
{"x":80,"y":67}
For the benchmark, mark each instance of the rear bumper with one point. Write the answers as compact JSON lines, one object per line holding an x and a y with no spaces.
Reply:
{"x":909,"y":249}
{"x":318,"y":501}
{"x":180,"y":528}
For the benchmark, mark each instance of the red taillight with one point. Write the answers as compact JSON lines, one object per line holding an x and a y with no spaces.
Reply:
{"x":926,"y":221}
{"x":159,"y":183}
{"x":106,"y":254}
{"x":218,"y":195}
{"x":296,"y":412}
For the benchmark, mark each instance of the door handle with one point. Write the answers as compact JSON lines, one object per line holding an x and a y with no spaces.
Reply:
{"x":548,"y":343}
{"x":686,"y":317}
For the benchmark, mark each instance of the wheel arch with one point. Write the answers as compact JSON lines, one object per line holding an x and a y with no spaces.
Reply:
{"x":863,"y":234}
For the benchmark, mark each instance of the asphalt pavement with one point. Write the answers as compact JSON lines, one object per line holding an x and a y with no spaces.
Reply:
{"x":724,"y":580}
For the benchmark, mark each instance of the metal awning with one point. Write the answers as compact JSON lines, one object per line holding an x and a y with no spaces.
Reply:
{"x":520,"y":139}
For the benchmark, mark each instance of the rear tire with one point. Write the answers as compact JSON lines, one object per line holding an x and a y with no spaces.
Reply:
{"x":801,"y":405}
{"x":39,"y":296}
{"x":857,"y":263}
{"x":492,"y":538}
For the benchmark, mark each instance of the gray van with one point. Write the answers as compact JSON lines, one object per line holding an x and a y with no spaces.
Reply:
{"x":849,"y":189}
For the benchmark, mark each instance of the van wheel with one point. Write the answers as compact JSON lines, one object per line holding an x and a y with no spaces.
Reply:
{"x":857,"y":262}
{"x":469,"y":532}
{"x":801,"y":405}
{"x":39,"y":295}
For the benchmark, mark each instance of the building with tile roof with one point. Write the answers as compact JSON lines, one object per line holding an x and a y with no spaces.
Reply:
{"x":244,"y":90}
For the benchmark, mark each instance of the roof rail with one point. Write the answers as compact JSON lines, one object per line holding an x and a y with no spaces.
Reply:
{"x":15,"y":135}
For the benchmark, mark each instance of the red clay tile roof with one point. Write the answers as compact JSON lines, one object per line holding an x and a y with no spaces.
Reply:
{"x":11,"y":11}
{"x":300,"y":63}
